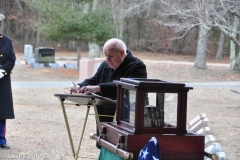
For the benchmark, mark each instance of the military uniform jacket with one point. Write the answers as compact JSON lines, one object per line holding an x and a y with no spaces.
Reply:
{"x":7,"y":62}
{"x":131,"y":67}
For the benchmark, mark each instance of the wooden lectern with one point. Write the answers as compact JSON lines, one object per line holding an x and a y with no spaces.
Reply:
{"x":151,"y":108}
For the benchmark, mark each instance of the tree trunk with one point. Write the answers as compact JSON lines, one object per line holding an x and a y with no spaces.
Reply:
{"x":93,"y":48}
{"x":233,"y":63}
{"x":3,"y":12}
{"x":238,"y":61}
{"x":78,"y":56}
{"x":94,"y":51}
{"x":127,"y":31}
{"x":121,"y":25}
{"x":71,"y":45}
{"x":118,"y":20}
{"x":200,"y":61}
{"x":26,"y":29}
{"x":139,"y":23}
{"x":12,"y":25}
{"x":38,"y":32}
{"x":220,"y":47}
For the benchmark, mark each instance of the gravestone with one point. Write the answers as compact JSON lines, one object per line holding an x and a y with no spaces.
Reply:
{"x":94,"y":51}
{"x":70,"y":65}
{"x":45,"y":55}
{"x":17,"y":63}
{"x":53,"y":65}
{"x":30,"y":61}
{"x":88,"y":67}
{"x":28,"y":51}
{"x":37,"y":65}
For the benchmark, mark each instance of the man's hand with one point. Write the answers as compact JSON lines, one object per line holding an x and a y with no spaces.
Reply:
{"x":1,"y":73}
{"x":74,"y":88}
{"x":89,"y":89}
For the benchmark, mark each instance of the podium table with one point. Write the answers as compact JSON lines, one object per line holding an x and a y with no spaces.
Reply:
{"x":83,"y":100}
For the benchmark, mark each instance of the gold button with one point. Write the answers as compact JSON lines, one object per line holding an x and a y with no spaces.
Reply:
{"x":1,"y":36}
{"x":5,"y":73}
{"x":1,"y":55}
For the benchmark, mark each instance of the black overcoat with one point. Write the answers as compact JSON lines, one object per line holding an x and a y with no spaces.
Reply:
{"x":7,"y":62}
{"x":131,"y":67}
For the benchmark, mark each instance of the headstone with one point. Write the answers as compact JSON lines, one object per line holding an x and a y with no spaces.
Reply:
{"x":30,"y":61}
{"x":28,"y":51}
{"x":61,"y":63}
{"x":88,"y":68}
{"x":45,"y":55}
{"x":70,"y":65}
{"x":94,"y":51}
{"x":53,"y":65}
{"x":37,"y":65}
{"x":17,"y":63}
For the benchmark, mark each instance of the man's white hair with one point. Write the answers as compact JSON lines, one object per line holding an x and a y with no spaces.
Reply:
{"x":115,"y":43}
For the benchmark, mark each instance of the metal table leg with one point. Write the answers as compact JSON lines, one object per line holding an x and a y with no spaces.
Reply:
{"x":83,"y":129}
{"x":75,"y":154}
{"x":67,"y":125}
{"x":96,"y":115}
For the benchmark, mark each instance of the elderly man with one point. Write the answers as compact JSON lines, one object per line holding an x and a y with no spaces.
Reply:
{"x":119,"y":63}
{"x":7,"y":62}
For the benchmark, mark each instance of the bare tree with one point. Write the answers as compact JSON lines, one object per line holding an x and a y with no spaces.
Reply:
{"x":233,"y":60}
{"x":200,"y":61}
{"x":2,"y":11}
{"x":118,"y":12}
{"x":185,"y":15}
{"x":220,"y":46}
{"x":93,"y":47}
{"x":38,"y":36}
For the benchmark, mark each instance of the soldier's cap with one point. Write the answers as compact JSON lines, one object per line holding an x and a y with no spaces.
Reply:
{"x":1,"y":17}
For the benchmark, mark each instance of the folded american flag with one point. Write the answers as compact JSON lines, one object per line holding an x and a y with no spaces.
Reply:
{"x":150,"y":151}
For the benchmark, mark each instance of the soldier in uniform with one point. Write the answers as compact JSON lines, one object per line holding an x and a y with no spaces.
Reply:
{"x":7,"y":62}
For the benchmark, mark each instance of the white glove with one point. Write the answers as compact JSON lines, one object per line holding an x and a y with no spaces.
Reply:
{"x":1,"y":73}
